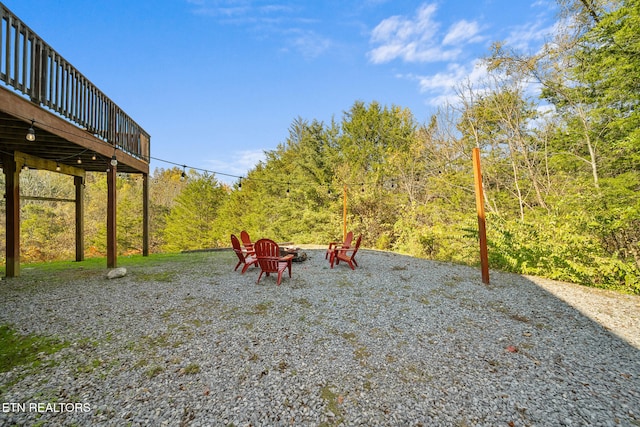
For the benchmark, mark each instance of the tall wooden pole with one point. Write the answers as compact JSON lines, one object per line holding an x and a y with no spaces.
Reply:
{"x":482,"y":229}
{"x":344,"y":212}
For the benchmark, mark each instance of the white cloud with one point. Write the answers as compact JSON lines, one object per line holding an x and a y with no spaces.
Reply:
{"x":442,"y":88}
{"x":444,"y":80}
{"x":239,"y":10}
{"x":237,"y":163}
{"x":284,"y":23}
{"x":532,"y":34}
{"x":417,"y":39}
{"x":310,"y":44}
{"x":462,"y":31}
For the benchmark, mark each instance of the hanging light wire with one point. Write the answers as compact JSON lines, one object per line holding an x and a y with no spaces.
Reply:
{"x":184,"y":166}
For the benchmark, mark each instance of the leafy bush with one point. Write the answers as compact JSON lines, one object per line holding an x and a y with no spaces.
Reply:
{"x":557,"y":249}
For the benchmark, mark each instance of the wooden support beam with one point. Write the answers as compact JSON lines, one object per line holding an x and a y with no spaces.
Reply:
{"x":112,"y":248}
{"x":48,"y":165}
{"x":12,"y":195}
{"x":78,"y":181}
{"x":145,"y":214}
{"x":18,"y":106}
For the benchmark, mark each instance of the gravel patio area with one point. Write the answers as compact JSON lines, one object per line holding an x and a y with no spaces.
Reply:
{"x":399,"y":341}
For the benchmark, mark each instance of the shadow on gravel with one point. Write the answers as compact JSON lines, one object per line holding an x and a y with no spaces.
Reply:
{"x":399,"y":341}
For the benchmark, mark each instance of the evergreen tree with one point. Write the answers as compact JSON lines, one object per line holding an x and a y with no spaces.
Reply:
{"x":191,"y":224}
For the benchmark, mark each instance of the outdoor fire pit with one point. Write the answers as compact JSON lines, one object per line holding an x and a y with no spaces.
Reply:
{"x":295,"y":251}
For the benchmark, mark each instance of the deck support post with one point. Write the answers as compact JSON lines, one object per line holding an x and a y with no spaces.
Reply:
{"x":78,"y":181}
{"x":112,"y":248}
{"x":145,"y":214}
{"x":12,"y":194}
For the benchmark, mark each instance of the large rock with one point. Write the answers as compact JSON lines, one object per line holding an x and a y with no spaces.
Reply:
{"x":116,"y":273}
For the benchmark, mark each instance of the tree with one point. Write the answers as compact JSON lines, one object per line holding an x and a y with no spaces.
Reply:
{"x":191,"y":223}
{"x":164,"y":187}
{"x":608,"y":72}
{"x":45,"y":230}
{"x":371,"y":134}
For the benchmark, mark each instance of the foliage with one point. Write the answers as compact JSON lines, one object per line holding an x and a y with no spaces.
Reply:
{"x":191,"y":222}
{"x":164,"y":187}
{"x":46,"y":232}
{"x":552,"y":247}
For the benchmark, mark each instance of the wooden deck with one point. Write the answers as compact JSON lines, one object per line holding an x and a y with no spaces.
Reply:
{"x":77,"y":129}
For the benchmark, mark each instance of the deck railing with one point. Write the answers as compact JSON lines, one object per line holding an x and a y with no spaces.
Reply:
{"x":32,"y":67}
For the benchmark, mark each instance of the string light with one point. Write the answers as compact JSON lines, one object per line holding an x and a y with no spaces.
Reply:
{"x":114,"y":161}
{"x":183,"y":175}
{"x":31,"y":133}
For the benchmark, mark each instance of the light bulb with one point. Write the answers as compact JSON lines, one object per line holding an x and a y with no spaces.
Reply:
{"x":31,"y":133}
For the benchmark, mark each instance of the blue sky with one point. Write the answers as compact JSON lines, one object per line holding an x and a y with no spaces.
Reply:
{"x":218,"y":82}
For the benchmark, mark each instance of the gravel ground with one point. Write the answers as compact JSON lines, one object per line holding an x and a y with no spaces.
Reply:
{"x":397,"y":342}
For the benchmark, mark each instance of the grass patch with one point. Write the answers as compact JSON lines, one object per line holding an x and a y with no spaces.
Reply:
{"x":423,"y":299}
{"x":72,"y":270}
{"x":141,"y":363}
{"x":190,"y":369}
{"x":349,"y":336}
{"x":149,"y":343}
{"x":154,"y":371}
{"x":91,"y":366}
{"x":343,"y":282}
{"x":19,"y":350}
{"x":334,"y":402}
{"x":303,"y":302}
{"x":519,"y":318}
{"x":160,"y":276}
{"x":261,"y":308}
{"x":27,"y":351}
{"x":361,"y":353}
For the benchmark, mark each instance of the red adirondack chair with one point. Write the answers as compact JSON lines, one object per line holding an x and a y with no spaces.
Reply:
{"x":246,"y":242}
{"x":243,"y":257}
{"x":347,"y":255}
{"x":335,"y":245}
{"x":269,"y":259}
